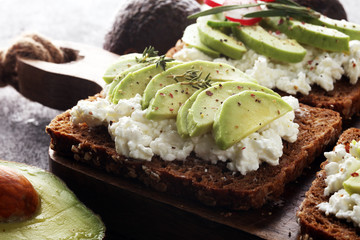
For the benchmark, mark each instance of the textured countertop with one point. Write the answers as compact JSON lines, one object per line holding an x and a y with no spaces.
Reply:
{"x":22,"y":128}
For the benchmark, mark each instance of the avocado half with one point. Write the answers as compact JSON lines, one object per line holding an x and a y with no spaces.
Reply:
{"x":157,"y":23}
{"x":60,"y":216}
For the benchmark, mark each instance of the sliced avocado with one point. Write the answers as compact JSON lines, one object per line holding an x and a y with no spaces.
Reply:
{"x":123,"y":63}
{"x":200,"y":117}
{"x":191,"y":38}
{"x":244,"y":113}
{"x":262,"y":42}
{"x":61,"y":214}
{"x":350,"y":29}
{"x":352,"y":184}
{"x":219,"y":41}
{"x":313,"y":35}
{"x":121,"y":76}
{"x":168,"y":100}
{"x":136,"y":82}
{"x":181,"y":118}
{"x":179,"y":73}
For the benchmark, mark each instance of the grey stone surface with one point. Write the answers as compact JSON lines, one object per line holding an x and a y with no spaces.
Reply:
{"x":22,"y":122}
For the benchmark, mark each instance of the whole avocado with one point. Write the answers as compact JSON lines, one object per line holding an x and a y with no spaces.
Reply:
{"x":330,"y":8}
{"x":141,"y":23}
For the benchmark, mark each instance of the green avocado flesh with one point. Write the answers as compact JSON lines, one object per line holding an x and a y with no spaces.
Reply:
{"x":181,"y":118}
{"x":123,"y":63}
{"x":244,"y":113}
{"x":135,"y":82}
{"x":121,"y":76}
{"x":191,"y":38}
{"x":350,"y":29}
{"x":217,"y":71}
{"x":200,"y":117}
{"x":313,"y":35}
{"x":262,"y":42}
{"x":61,"y":214}
{"x":168,"y":100}
{"x":219,"y":41}
{"x":352,"y":184}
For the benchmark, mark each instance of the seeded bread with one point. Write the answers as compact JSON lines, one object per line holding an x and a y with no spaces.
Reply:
{"x":345,"y":98}
{"x":213,"y":185}
{"x":314,"y":223}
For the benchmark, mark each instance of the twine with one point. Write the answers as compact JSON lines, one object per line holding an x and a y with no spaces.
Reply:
{"x":33,"y":46}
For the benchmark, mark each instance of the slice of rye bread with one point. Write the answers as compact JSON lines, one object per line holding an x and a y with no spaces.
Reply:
{"x":345,"y":98}
{"x":314,"y":223}
{"x":194,"y":178}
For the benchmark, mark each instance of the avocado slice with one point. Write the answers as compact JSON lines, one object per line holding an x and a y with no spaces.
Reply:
{"x":244,"y":113}
{"x":219,"y":41}
{"x":200,"y":117}
{"x":350,"y":29}
{"x":121,"y":76}
{"x":136,"y":82}
{"x":123,"y":63}
{"x":181,"y":118}
{"x":192,"y":39}
{"x":352,"y":184}
{"x":217,"y":71}
{"x":168,"y":100}
{"x":60,"y":216}
{"x":262,"y":42}
{"x":317,"y":36}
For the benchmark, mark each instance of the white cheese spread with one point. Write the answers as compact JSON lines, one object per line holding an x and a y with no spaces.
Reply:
{"x":341,"y":164}
{"x":140,"y":138}
{"x":318,"y":67}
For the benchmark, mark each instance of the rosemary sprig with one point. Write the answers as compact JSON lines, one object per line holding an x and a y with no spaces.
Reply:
{"x":278,"y":8}
{"x":161,"y":61}
{"x":150,"y":55}
{"x":193,"y":78}
{"x":148,"y":52}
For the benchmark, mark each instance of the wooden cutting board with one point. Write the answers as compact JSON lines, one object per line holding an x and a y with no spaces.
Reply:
{"x":60,"y":86}
{"x":131,"y":210}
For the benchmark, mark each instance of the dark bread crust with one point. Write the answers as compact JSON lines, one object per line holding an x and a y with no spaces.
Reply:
{"x":213,"y":185}
{"x":314,"y":222}
{"x":345,"y":98}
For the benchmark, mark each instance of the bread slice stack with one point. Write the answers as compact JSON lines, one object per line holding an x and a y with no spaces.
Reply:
{"x":314,"y":223}
{"x":213,"y":185}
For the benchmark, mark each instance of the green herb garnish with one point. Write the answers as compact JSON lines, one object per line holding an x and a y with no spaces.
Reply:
{"x":280,"y":8}
{"x":193,"y":78}
{"x":150,"y":55}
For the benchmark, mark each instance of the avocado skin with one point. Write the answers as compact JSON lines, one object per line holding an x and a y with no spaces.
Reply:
{"x":330,"y":8}
{"x":159,"y":23}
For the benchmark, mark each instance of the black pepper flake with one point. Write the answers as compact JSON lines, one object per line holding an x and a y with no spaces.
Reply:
{"x":209,"y":93}
{"x":239,"y":103}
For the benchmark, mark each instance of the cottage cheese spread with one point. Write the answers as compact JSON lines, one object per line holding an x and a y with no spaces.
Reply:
{"x":341,"y":164}
{"x":140,"y":138}
{"x":318,"y":67}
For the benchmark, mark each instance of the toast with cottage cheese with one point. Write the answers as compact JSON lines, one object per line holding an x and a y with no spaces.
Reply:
{"x":211,"y":184}
{"x":344,"y":98}
{"x":314,"y":223}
